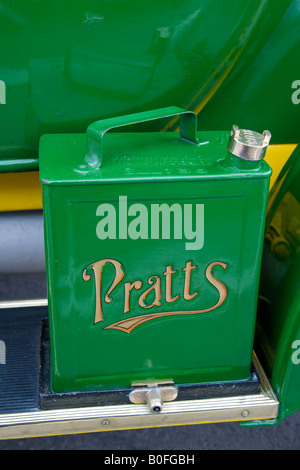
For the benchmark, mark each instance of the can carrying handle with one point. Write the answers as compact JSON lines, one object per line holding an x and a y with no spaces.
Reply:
{"x":96,"y":131}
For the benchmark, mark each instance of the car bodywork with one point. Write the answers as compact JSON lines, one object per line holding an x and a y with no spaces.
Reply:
{"x":64,"y":66}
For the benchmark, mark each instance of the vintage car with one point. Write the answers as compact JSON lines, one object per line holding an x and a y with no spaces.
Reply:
{"x":149,"y":165}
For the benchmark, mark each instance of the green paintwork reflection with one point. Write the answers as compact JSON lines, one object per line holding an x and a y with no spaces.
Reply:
{"x":66,"y":64}
{"x":279,"y":314}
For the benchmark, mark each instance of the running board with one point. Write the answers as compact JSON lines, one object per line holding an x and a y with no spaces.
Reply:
{"x":260,"y":404}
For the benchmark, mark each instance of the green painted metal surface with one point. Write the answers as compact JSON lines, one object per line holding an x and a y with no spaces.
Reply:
{"x":278,"y":328}
{"x":134,"y":296}
{"x":65,"y":64}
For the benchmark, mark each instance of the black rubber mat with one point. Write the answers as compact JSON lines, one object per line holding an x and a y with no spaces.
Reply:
{"x":20,"y":330}
{"x":24,"y":377}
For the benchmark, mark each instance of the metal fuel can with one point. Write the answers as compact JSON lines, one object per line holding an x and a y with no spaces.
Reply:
{"x":153,"y":251}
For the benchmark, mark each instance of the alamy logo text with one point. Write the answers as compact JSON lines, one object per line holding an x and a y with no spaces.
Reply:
{"x":136,"y":221}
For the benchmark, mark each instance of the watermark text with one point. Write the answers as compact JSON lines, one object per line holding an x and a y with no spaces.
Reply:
{"x":2,"y":352}
{"x":296,"y":353}
{"x":136,"y":221}
{"x":296,"y":93}
{"x":2,"y":92}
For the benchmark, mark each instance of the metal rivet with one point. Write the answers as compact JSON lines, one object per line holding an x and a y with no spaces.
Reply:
{"x":105,"y":422}
{"x":245,"y":413}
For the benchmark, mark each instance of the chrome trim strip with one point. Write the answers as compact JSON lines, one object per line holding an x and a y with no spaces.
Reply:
{"x":23,"y":303}
{"x":130,"y":416}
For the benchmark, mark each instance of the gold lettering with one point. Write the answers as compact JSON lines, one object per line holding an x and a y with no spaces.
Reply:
{"x":222,"y":289}
{"x":128,"y":286}
{"x":168,"y":275}
{"x":127,"y":325}
{"x":97,"y":268}
{"x":187,"y":281}
{"x":131,"y":323}
{"x":156,"y":288}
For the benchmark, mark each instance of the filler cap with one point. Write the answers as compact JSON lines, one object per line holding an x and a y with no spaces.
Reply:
{"x":248,"y":145}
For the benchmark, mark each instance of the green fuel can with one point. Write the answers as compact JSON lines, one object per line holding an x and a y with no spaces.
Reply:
{"x":153,"y":252}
